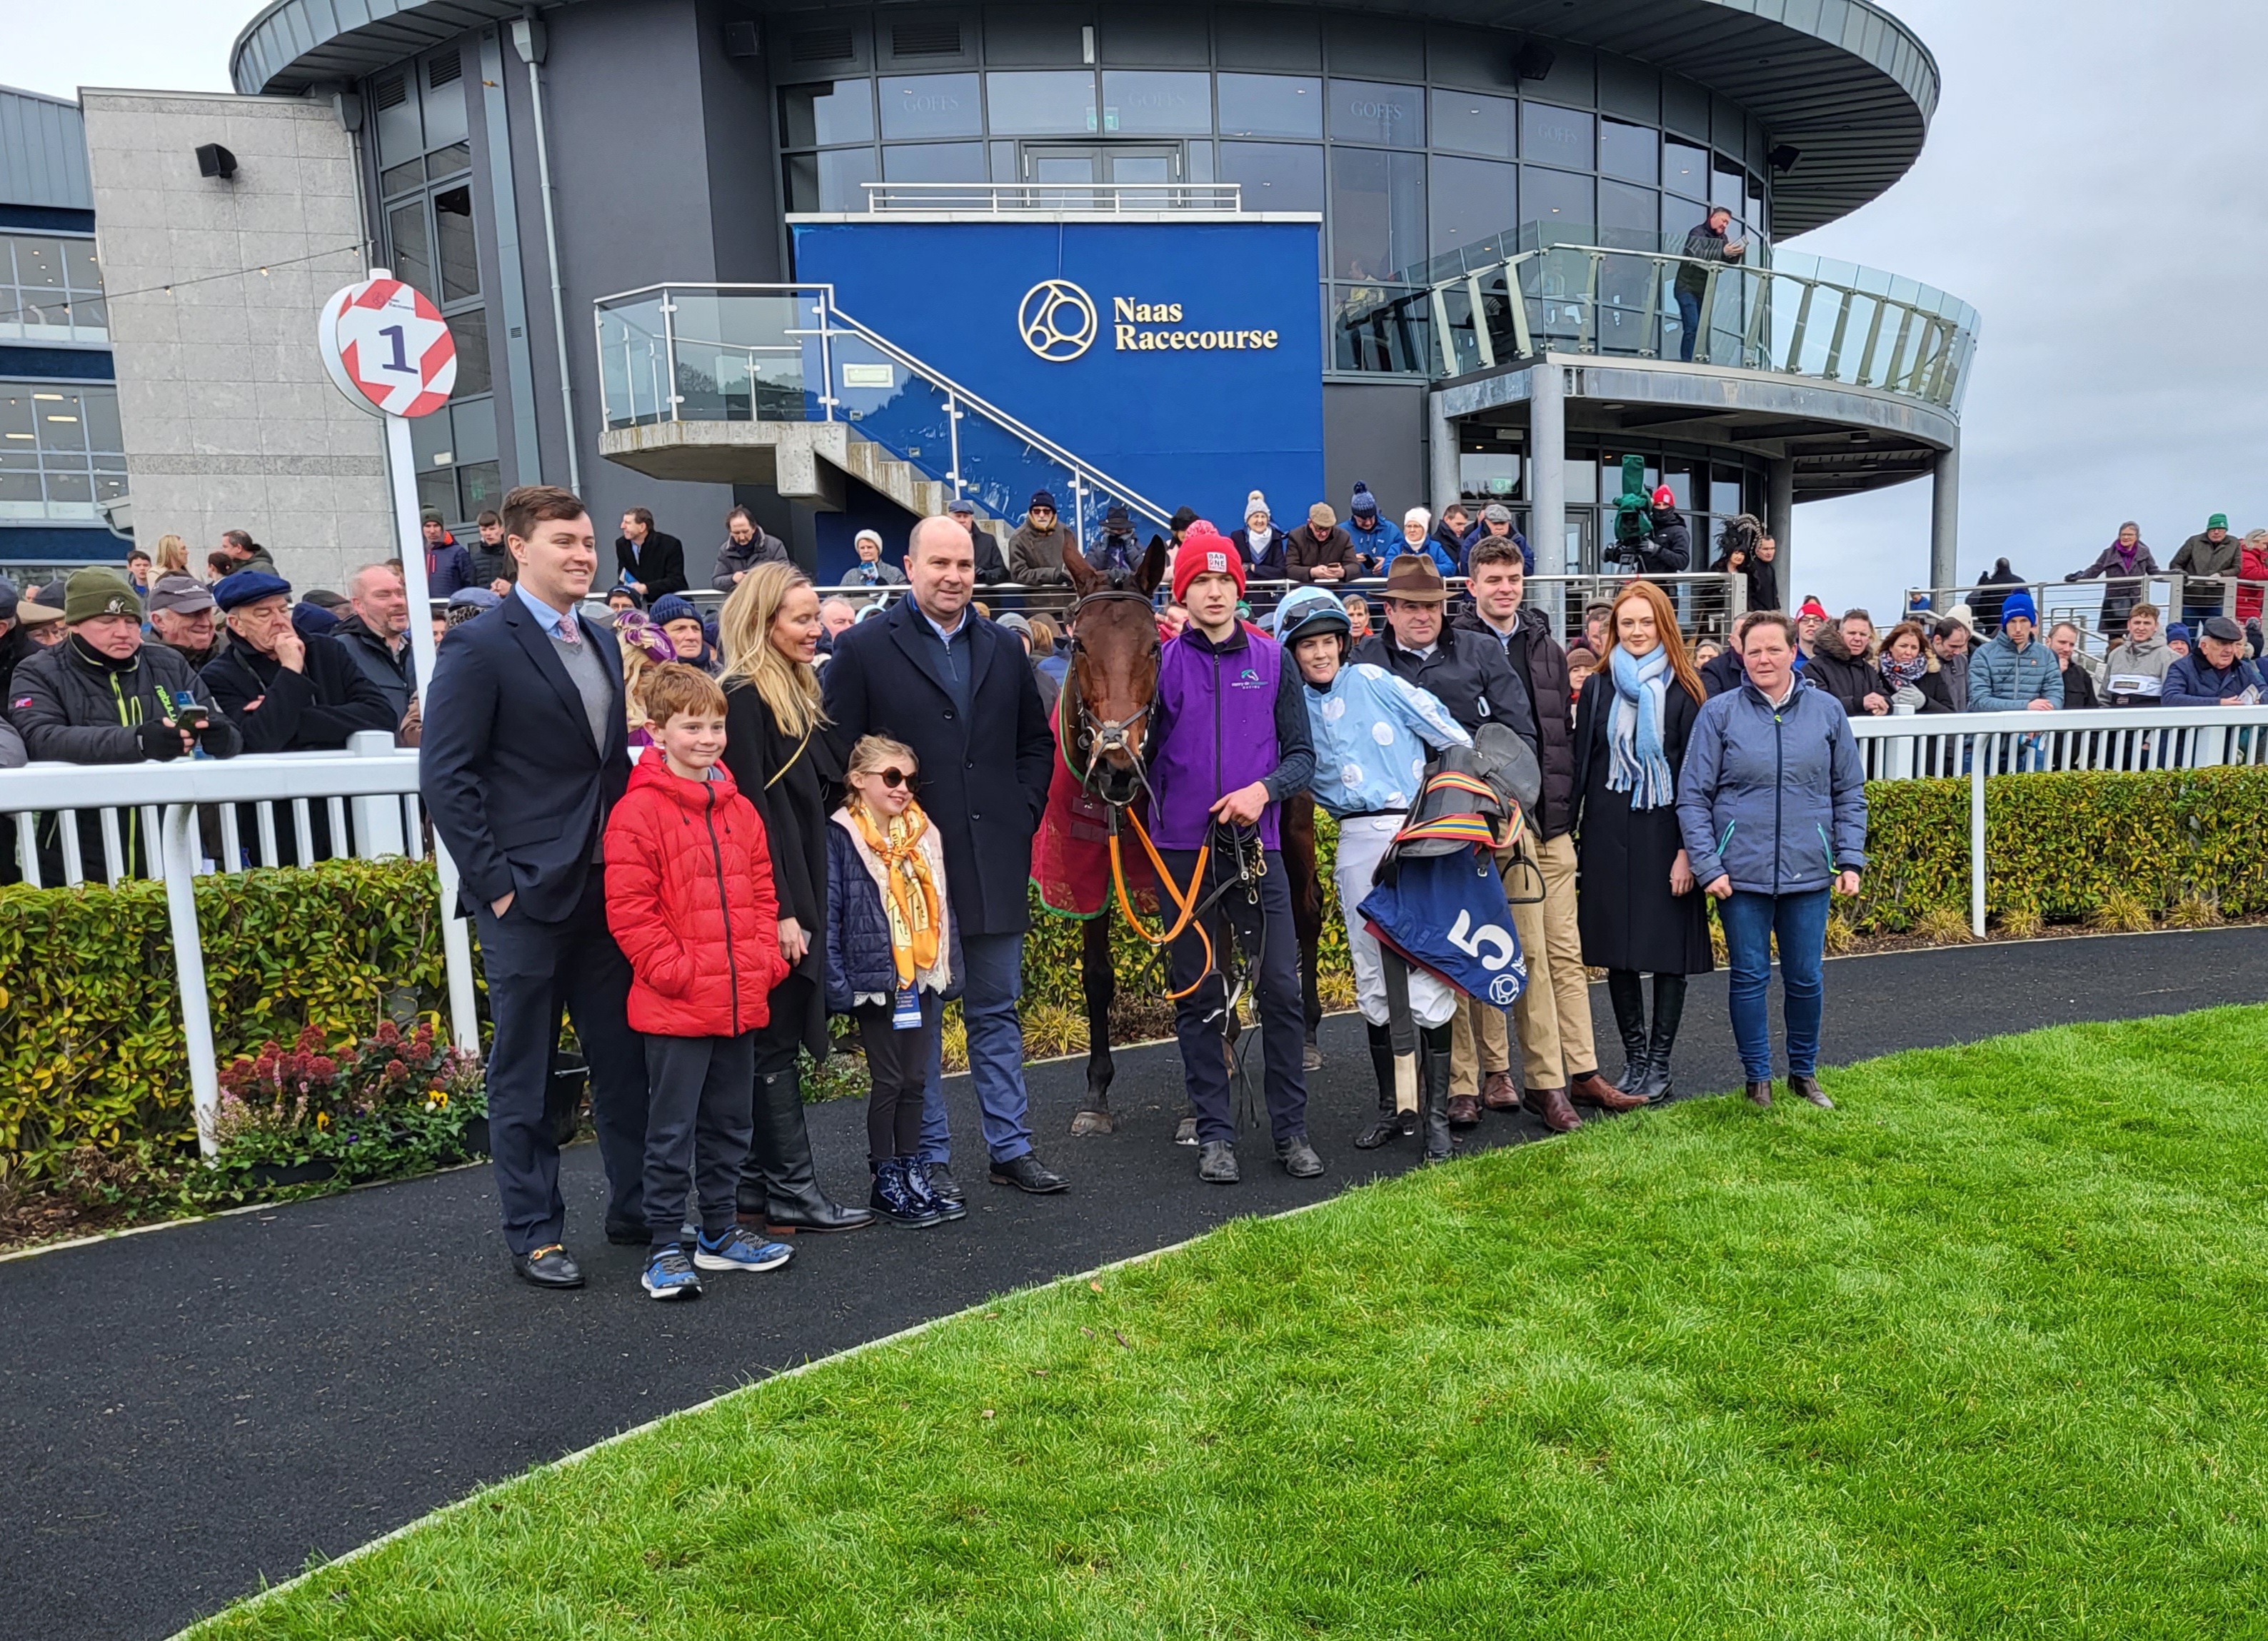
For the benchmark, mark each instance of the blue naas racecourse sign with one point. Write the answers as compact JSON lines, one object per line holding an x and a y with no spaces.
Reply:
{"x":1183,"y":358}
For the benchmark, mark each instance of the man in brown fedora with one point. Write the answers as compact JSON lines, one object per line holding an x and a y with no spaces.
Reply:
{"x":1469,"y":674}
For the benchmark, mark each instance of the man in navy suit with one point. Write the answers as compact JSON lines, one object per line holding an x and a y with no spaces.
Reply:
{"x":526,"y":750}
{"x":957,"y":689}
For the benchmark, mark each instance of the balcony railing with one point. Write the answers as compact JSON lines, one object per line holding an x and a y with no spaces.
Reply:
{"x":1561,"y":288}
{"x":999,"y":198}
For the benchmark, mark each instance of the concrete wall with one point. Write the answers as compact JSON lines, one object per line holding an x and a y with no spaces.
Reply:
{"x":230,"y":421}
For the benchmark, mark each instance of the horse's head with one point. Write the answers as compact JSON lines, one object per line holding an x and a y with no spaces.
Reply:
{"x":1113,"y":675}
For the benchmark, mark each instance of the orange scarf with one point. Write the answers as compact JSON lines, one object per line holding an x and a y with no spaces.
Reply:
{"x":911,"y":899}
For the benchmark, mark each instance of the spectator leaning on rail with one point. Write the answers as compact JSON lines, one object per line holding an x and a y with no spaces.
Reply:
{"x":183,"y":617}
{"x":1320,"y":550}
{"x":2124,"y":563}
{"x":747,"y":544}
{"x":2016,"y":672}
{"x":1496,"y":521}
{"x":2205,"y":558}
{"x":2216,"y":673}
{"x":870,"y":570}
{"x":1374,"y":538}
{"x":16,"y":644}
{"x":992,"y":568}
{"x":1950,"y":641}
{"x":2078,"y":681}
{"x":1116,"y":552}
{"x":283,"y":692}
{"x":1036,"y":547}
{"x":1258,"y":542}
{"x":1908,"y":674}
{"x":1772,"y":801}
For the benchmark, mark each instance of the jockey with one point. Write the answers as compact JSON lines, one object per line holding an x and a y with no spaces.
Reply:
{"x":1228,"y":743}
{"x":1372,"y":732}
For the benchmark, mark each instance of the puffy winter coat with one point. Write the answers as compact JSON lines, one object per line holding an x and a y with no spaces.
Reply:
{"x":1665,"y":549}
{"x":1264,"y":563}
{"x":2194,"y":681}
{"x":1774,"y":800}
{"x":691,"y":901}
{"x":1849,"y":678}
{"x":2004,"y":679}
{"x":2252,"y":567}
{"x":859,"y":962}
{"x":1378,"y":542}
{"x":1445,"y":559}
{"x":75,"y":705}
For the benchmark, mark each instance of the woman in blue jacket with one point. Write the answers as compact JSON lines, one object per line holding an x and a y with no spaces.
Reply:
{"x":1772,"y":804}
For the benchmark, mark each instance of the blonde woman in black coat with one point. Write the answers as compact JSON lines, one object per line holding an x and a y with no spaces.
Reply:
{"x":1639,"y":911}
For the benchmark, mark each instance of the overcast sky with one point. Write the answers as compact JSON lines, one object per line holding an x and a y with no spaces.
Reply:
{"x":2091,"y":186}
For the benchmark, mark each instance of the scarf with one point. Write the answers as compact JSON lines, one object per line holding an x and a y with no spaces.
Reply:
{"x":1638,"y":766}
{"x":1901,"y":673}
{"x":2126,"y":555}
{"x":912,"y":902}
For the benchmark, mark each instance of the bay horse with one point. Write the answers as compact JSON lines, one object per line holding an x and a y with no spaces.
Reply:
{"x":1102,"y":723}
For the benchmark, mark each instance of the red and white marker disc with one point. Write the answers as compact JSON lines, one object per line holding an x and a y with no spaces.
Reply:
{"x":387,"y":347}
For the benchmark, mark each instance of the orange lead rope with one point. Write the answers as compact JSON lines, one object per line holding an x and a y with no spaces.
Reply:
{"x":1186,"y":904}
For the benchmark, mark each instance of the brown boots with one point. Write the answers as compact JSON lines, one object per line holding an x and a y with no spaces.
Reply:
{"x":1591,"y":1089}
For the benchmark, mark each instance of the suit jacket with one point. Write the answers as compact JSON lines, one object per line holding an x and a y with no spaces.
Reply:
{"x":659,"y":564}
{"x":983,"y":775}
{"x":507,"y":769}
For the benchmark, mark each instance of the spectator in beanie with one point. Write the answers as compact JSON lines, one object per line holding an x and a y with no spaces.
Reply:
{"x":2015,"y":672}
{"x":870,"y":570}
{"x":1259,"y":543}
{"x":2125,"y":564}
{"x":992,"y":568}
{"x":2078,"y":682}
{"x":447,"y":565}
{"x":1417,"y":537}
{"x":680,"y":624}
{"x":1374,"y":538}
{"x":2205,"y":558}
{"x":1910,"y":675}
{"x":1036,"y":550}
{"x":652,"y":561}
{"x":747,"y":545}
{"x":2134,"y":675}
{"x":1810,"y":619}
{"x":1320,"y":550}
{"x":1772,"y":801}
{"x":2215,"y":674}
{"x":2177,"y":639}
{"x":1582,"y":661}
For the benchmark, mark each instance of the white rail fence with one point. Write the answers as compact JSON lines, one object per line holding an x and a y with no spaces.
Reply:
{"x":369,"y":796}
{"x":1976,"y":745}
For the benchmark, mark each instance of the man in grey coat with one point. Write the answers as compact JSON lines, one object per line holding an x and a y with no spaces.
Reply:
{"x":747,"y":545}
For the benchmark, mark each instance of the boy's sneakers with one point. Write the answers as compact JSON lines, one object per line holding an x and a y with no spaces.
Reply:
{"x":735,"y":1250}
{"x":669,"y":1275}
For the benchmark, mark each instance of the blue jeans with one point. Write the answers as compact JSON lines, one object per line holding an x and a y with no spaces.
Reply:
{"x":994,"y":982}
{"x":1689,"y":323}
{"x":1800,"y":922}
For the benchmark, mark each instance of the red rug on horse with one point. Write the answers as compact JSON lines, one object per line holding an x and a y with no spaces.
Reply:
{"x":1071,"y":852}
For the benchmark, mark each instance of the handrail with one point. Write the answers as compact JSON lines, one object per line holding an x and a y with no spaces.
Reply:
{"x":1191,"y":196}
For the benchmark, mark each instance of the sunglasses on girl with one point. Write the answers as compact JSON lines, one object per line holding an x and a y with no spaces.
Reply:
{"x":892,"y":777}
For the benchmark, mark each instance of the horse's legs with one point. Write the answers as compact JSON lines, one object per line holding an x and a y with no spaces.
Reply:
{"x":1298,"y":831}
{"x":1100,"y":985}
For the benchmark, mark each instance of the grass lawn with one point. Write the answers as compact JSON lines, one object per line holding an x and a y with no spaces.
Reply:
{"x":1978,"y":1354}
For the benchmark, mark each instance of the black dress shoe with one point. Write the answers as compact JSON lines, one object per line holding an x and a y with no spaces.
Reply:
{"x":819,"y":1217}
{"x":943,"y":1186}
{"x":550,"y":1266}
{"x":1028,"y":1174}
{"x":1299,"y":1158}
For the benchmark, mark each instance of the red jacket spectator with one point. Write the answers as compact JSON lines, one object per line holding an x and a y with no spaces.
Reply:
{"x":2252,"y":571}
{"x":691,"y":902}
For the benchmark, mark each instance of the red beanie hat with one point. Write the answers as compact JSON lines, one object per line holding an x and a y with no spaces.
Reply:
{"x":1205,"y":550}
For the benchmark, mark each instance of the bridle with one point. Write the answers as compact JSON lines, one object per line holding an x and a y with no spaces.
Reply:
{"x":1094,"y":738}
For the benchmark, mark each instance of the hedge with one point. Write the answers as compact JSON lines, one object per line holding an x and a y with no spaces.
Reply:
{"x":90,"y":1039}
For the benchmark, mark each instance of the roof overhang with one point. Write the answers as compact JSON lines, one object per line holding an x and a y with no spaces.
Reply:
{"x":1842,"y":80}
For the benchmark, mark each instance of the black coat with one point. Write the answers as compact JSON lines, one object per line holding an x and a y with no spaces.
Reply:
{"x":1665,"y":549}
{"x":1542,"y":666}
{"x":1624,"y":911}
{"x":788,"y":788}
{"x":1849,"y":678}
{"x":1721,"y":672}
{"x":2078,"y":689}
{"x":660,"y":564}
{"x":992,"y":568}
{"x":509,"y":772}
{"x":313,"y":710}
{"x":983,"y":775}
{"x":1985,"y":602}
{"x":1466,"y":674}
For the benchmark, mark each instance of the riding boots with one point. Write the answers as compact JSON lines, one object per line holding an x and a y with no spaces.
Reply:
{"x":779,"y":1187}
{"x":1626,"y":990}
{"x":1669,"y":1010}
{"x":1389,"y":1123}
{"x":1434,"y":1093}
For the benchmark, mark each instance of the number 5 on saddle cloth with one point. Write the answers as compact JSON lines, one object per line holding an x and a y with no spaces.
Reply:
{"x":1436,"y":900}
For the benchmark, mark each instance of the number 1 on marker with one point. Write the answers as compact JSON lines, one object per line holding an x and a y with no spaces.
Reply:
{"x":401,"y":360}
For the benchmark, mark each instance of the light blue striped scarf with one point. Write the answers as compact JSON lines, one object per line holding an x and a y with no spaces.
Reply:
{"x":1639,"y":767}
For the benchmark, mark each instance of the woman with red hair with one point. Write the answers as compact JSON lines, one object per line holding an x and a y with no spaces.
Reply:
{"x":1640,"y":912}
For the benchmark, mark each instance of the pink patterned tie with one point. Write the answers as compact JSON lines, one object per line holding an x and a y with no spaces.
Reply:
{"x":571,"y":630}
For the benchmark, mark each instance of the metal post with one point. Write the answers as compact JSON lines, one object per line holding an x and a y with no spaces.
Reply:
{"x":456,"y":955}
{"x":1779,"y":524}
{"x":1547,"y":479}
{"x":180,"y":844}
{"x":403,"y":464}
{"x":1441,"y":454}
{"x":1983,"y":749}
{"x":527,"y":40}
{"x":1944,"y":518}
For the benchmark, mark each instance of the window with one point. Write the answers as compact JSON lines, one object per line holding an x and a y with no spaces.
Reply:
{"x":1047,"y":103}
{"x":1378,"y":213}
{"x":1557,"y":137}
{"x":60,"y":450}
{"x":1474,"y":201}
{"x":829,"y":180}
{"x":830,"y":113}
{"x":1629,"y":216}
{"x":51,"y":290}
{"x":1277,"y":176}
{"x":1471,"y":123}
{"x":931,"y":105}
{"x":1151,"y":103}
{"x":457,"y":257}
{"x":1631,"y":152}
{"x":1270,"y":105}
{"x":1686,"y":170}
{"x":1557,"y":202}
{"x":1363,"y":111}
{"x":934,"y":162}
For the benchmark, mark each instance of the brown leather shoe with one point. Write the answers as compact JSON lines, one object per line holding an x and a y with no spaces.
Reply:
{"x":1465,"y":1110}
{"x":1552,"y":1104}
{"x":1591,"y":1089}
{"x":1760,"y":1094}
{"x":1499,"y":1092}
{"x":1810,"y":1088}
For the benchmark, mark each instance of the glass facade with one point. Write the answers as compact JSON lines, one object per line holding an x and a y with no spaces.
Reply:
{"x":1711,"y":485}
{"x":51,"y":290}
{"x":425,"y":183}
{"x":60,"y":451}
{"x":1408,"y":151}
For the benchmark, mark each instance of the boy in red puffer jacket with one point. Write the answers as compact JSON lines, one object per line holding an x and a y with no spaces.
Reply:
{"x":690,"y":899}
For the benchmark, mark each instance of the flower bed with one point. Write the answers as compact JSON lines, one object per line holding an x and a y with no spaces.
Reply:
{"x":385,"y":1105}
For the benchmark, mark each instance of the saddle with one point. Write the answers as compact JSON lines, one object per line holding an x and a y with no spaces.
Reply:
{"x":1473,"y":797}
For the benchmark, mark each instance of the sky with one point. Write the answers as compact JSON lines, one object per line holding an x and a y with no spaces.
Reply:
{"x":2091,"y":185}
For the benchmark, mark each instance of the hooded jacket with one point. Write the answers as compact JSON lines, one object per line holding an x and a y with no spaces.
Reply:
{"x":1849,"y":678}
{"x":1774,"y":800}
{"x":691,"y":902}
{"x":2134,"y":675}
{"x":1303,"y":555}
{"x":2004,"y":679}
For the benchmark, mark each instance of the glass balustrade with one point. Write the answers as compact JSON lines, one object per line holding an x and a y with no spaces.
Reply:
{"x":1565,"y":288}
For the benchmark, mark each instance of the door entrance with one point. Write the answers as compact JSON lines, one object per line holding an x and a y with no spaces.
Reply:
{"x":1119,"y":163}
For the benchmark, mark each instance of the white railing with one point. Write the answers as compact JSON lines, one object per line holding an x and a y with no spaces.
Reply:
{"x":1110,"y":198}
{"x":1976,"y":745}
{"x":370,"y":795}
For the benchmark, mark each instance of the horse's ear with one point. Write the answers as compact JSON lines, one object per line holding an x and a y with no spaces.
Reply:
{"x":1153,"y":566}
{"x":1084,"y":576}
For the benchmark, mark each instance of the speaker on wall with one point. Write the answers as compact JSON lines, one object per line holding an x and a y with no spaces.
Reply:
{"x":1533,"y":61}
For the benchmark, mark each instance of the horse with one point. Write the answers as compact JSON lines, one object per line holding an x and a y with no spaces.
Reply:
{"x":1103,"y":720}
